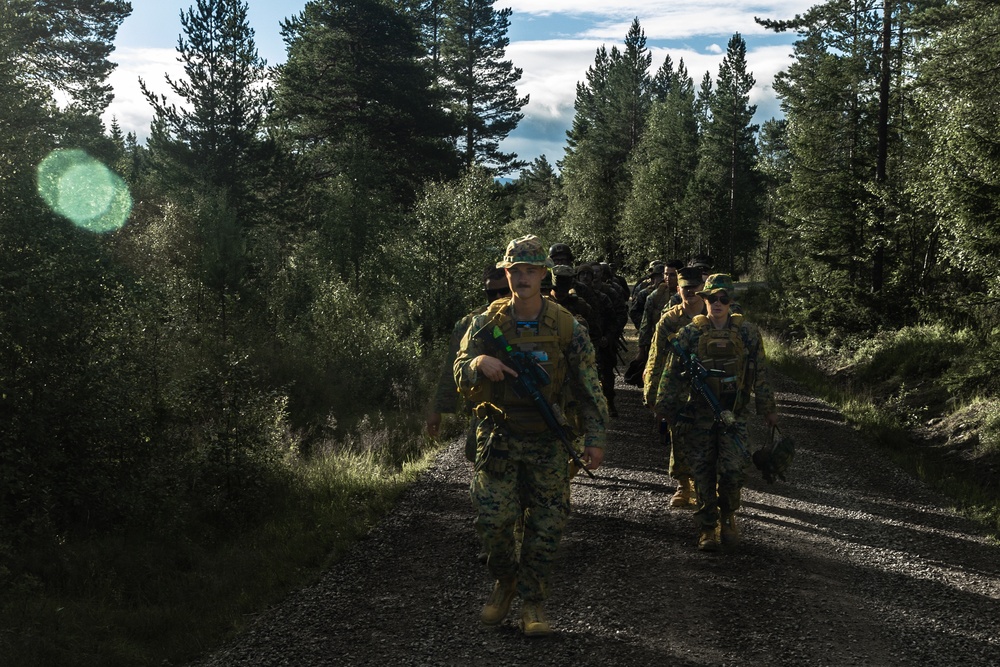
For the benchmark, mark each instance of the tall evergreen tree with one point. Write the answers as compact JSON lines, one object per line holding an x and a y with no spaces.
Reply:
{"x":726,"y":177}
{"x":217,"y":136}
{"x":538,"y":204}
{"x":356,"y":104}
{"x":829,"y":95}
{"x":661,"y":168}
{"x":480,"y":83}
{"x":958,"y":89}
{"x":611,"y":109}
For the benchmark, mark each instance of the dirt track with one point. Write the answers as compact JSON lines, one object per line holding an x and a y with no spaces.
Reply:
{"x":850,"y":562}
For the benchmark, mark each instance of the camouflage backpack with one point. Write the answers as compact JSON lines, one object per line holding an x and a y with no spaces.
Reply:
{"x":774,"y":458}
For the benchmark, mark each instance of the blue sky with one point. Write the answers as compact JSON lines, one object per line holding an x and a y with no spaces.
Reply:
{"x":554,"y":42}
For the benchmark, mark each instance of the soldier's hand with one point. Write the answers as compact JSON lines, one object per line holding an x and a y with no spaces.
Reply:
{"x":433,"y":424}
{"x":771,"y":418}
{"x":492,"y":368}
{"x":593,"y":457}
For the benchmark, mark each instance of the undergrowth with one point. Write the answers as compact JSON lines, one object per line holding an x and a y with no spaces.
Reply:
{"x":164,"y":595}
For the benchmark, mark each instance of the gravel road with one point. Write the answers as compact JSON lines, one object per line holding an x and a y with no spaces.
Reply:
{"x":849,"y":562}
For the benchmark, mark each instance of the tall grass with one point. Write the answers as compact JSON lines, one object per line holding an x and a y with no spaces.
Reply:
{"x":144,"y":598}
{"x":887,"y":385}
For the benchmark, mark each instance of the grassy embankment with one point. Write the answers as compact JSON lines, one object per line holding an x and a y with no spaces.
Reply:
{"x":149,"y":598}
{"x":925,"y":394}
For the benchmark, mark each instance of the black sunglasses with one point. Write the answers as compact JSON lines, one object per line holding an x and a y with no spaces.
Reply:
{"x":494,"y":294}
{"x":724,"y":299}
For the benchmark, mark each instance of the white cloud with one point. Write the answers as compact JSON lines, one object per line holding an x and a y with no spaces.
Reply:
{"x":552,"y":69}
{"x":685,"y":10}
{"x":130,"y":106}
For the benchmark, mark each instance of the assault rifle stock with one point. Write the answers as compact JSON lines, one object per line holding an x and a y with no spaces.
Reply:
{"x":530,"y":377}
{"x":696,"y":374}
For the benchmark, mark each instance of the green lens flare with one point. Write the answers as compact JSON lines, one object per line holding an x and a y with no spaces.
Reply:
{"x":80,"y":188}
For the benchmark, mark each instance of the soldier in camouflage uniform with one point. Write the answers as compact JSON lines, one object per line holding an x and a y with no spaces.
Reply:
{"x":446,"y":399}
{"x":607,"y":357}
{"x":725,"y":342}
{"x":654,"y":306}
{"x":638,"y":301}
{"x":672,"y":321}
{"x":519,"y":461}
{"x":565,"y":295}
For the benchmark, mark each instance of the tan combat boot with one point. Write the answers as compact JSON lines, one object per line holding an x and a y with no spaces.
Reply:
{"x":708,"y":538}
{"x":730,"y":531}
{"x":498,"y":605}
{"x":533,"y":621}
{"x":682,"y":496}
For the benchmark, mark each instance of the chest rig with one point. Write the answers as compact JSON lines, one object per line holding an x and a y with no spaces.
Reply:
{"x":724,"y":350}
{"x":544,"y":340}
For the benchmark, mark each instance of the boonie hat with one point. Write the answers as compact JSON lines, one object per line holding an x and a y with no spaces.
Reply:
{"x":689,"y":276}
{"x":717,"y":282}
{"x":526,"y":250}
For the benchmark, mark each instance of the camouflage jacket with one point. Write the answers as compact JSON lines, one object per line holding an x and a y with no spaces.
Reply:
{"x":675,"y":391}
{"x":581,"y":386}
{"x":671,"y":321}
{"x":651,"y":312}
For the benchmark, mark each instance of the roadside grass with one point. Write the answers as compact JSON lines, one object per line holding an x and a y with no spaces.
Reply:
{"x":890,"y":385}
{"x":149,"y":598}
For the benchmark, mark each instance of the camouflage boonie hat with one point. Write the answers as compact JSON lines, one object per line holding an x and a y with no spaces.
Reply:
{"x":526,"y":250}
{"x":717,"y":282}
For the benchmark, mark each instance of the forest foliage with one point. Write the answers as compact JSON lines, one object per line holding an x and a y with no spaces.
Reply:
{"x":302,"y":237}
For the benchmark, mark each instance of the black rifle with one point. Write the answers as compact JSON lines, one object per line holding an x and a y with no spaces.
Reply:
{"x":531,"y":376}
{"x":696,"y":374}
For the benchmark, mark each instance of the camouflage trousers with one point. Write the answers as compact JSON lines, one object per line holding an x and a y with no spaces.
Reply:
{"x":606,"y":362}
{"x":533,"y":480}
{"x":718,"y":466}
{"x":680,"y":456}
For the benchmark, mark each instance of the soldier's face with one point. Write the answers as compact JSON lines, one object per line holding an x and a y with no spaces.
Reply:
{"x":718,"y":305}
{"x":525,"y":280}
{"x":689,"y":294}
{"x":671,"y":278}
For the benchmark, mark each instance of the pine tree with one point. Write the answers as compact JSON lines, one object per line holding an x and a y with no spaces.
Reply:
{"x":357,"y":107}
{"x":217,"y":137}
{"x":480,"y":83}
{"x":611,"y":108}
{"x":538,"y":204}
{"x":661,"y":168}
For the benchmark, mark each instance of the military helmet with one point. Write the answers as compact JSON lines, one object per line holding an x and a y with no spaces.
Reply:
{"x":525,"y":250}
{"x":561,"y":249}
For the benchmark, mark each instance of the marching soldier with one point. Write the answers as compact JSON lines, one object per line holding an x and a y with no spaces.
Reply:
{"x":519,"y":460}
{"x":731,"y":349}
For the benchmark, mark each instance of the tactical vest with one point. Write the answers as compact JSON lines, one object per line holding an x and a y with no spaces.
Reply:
{"x":546,"y":340}
{"x":724,"y":350}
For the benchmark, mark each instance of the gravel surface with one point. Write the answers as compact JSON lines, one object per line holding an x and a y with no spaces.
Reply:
{"x":849,"y":562}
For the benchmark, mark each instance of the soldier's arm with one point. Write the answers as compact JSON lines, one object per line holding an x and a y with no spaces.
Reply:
{"x":585,"y":386}
{"x":658,"y":353}
{"x":465,"y":369}
{"x":672,"y":387}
